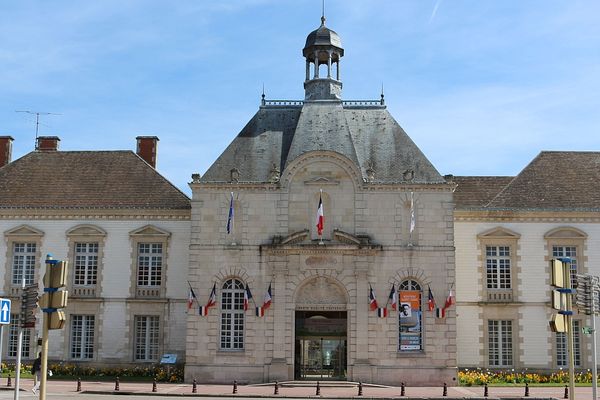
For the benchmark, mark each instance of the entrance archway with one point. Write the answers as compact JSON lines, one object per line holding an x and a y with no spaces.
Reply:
{"x":321,"y":326}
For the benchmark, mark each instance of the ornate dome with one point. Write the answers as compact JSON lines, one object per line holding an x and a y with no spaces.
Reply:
{"x":321,"y":38}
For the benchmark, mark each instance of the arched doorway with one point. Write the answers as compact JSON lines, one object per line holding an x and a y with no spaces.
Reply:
{"x":321,"y":326}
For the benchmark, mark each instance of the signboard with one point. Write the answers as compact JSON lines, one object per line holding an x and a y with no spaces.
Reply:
{"x":410,"y":320}
{"x":168,"y":359}
{"x":4,"y":311}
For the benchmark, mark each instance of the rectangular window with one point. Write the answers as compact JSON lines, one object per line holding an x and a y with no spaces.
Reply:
{"x":86,"y":264}
{"x":497,"y":260}
{"x":571,"y":252}
{"x":13,"y":338}
{"x":82,"y":336}
{"x":232,"y":319}
{"x":150,"y":256}
{"x":500,"y":343}
{"x":146,"y":337}
{"x":561,"y":346}
{"x":23,"y":263}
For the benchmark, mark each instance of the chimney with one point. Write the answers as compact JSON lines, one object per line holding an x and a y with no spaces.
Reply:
{"x":47,"y":143}
{"x":5,"y":150}
{"x":146,"y":149}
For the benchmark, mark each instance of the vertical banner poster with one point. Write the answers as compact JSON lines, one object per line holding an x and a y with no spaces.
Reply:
{"x":410,"y":320}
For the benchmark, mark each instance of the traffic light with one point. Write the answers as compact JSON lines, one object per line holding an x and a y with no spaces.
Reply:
{"x":29,"y":299}
{"x":54,"y":297}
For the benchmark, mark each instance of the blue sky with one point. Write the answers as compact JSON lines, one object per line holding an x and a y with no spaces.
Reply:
{"x":481,"y":86}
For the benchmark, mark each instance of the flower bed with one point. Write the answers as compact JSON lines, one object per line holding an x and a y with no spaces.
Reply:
{"x":474,"y":377}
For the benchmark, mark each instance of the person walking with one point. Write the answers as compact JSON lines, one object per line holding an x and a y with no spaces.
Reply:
{"x":36,"y":370}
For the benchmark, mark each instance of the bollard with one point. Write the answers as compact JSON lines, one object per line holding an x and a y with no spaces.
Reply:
{"x":234,"y":387}
{"x":318,"y":393}
{"x":117,"y":384}
{"x":566,"y":392}
{"x":276,"y":388}
{"x":9,"y":382}
{"x":78,"y":385}
{"x":360,"y":388}
{"x":445,"y":391}
{"x":526,"y":389}
{"x":402,"y":389}
{"x":194,"y":386}
{"x":154,"y":385}
{"x":485,"y":390}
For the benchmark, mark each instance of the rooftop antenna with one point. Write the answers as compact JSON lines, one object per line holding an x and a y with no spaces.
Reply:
{"x":37,"y":120}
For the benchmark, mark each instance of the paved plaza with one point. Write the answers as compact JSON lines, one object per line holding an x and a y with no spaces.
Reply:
{"x":342,"y":390}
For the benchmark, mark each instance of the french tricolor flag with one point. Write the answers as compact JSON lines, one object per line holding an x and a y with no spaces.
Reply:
{"x":393,"y":298}
{"x":268,"y":299}
{"x":260,"y":312}
{"x":372,"y":299}
{"x":320,"y":220}
{"x":382,"y":312}
{"x":247,"y":297}
{"x":212,"y":299}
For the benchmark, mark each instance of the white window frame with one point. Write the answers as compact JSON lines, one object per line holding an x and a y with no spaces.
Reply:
{"x":150,"y":264}
{"x":498,"y":265}
{"x":82,"y":337}
{"x":561,"y":346}
{"x":563,"y":250}
{"x":13,"y":338}
{"x":23,"y":262}
{"x":500,"y":343}
{"x":85,"y":268}
{"x":147,"y":338}
{"x":232,"y":318}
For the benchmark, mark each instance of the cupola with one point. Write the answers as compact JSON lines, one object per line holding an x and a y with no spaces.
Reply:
{"x":323,"y":47}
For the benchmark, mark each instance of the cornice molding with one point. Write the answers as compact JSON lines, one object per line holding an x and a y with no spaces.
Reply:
{"x":527,"y":216}
{"x":116,"y":214}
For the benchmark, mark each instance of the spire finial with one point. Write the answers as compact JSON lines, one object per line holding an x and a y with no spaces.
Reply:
{"x":323,"y":13}
{"x":382,"y":99}
{"x":262,"y":101}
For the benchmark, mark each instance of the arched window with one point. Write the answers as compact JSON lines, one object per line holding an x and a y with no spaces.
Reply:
{"x":232,"y":315}
{"x":410,"y":337}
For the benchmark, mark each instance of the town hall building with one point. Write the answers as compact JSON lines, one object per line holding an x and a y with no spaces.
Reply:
{"x":388,"y":230}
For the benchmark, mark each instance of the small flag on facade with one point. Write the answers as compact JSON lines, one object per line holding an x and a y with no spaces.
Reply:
{"x":440,"y":312}
{"x":320,"y":220}
{"x":203,"y":311}
{"x":212,"y":298}
{"x":260,"y":311}
{"x":191,"y":298}
{"x":230,"y":217}
{"x":430,"y":301}
{"x":268,"y":298}
{"x":382,"y":312}
{"x":449,"y":299}
{"x":247,"y":297}
{"x":372,"y":299}
{"x":393,"y":297}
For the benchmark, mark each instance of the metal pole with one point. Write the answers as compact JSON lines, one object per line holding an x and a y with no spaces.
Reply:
{"x":569,"y":318}
{"x":19,"y":342}
{"x":44,"y":360}
{"x":594,"y":368}
{"x":1,"y":334}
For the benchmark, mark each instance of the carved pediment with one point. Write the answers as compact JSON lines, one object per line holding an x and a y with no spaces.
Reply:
{"x":565,"y":232}
{"x":24,"y":230}
{"x":320,"y":291}
{"x":499,"y":233}
{"x":150,"y":230}
{"x":86,"y":230}
{"x":295,"y":237}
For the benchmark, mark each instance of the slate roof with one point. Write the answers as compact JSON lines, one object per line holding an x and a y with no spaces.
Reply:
{"x":278,"y":135}
{"x":555,"y":180}
{"x":478,"y":191}
{"x":86,"y":179}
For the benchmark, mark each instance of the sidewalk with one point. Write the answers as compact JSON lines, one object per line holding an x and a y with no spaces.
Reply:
{"x":307,"y":390}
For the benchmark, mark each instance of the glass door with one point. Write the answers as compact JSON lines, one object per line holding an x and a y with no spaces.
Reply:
{"x":321,"y":358}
